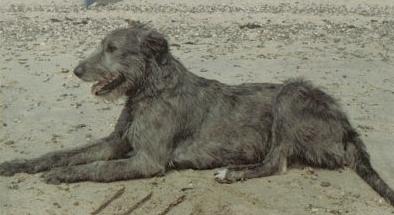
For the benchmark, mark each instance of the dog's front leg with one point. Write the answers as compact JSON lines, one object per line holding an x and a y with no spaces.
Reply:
{"x":111,"y":147}
{"x":141,"y":165}
{"x":103,"y":149}
{"x":151,"y":135}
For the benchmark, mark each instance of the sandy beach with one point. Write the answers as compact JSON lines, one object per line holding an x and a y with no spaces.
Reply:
{"x":345,"y":47}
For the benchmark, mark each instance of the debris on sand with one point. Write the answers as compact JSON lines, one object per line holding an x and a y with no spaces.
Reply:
{"x":55,"y":20}
{"x":108,"y":201}
{"x":9,"y":142}
{"x":89,"y":2}
{"x":138,"y":204}
{"x":325,"y":184}
{"x":178,"y":201}
{"x":64,"y":70}
{"x":250,"y":26}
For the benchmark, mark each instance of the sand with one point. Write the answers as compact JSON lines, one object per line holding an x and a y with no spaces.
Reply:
{"x":346,"y":47}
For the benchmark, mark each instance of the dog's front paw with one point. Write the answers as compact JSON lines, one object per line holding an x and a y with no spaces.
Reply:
{"x":59,"y":175}
{"x":10,"y":168}
{"x":7,"y":169}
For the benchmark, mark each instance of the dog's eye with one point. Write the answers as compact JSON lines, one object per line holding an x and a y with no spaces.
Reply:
{"x":111,"y":48}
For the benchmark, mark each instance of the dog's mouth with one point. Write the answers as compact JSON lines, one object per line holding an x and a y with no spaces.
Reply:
{"x":108,"y":84}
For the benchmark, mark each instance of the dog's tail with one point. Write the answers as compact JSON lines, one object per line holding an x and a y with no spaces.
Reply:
{"x":362,"y":166}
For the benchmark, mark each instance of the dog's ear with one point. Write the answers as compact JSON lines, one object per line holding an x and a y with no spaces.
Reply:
{"x":154,"y":45}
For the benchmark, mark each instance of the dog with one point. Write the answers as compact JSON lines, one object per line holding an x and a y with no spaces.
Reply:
{"x":174,"y":119}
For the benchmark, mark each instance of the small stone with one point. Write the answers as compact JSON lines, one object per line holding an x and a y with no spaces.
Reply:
{"x":57,"y":205}
{"x":9,"y":142}
{"x":55,"y":20}
{"x":314,"y":210}
{"x":186,"y":188}
{"x":325,"y":184}
{"x":77,"y":105}
{"x":336,"y":212}
{"x":64,"y":70}
{"x":250,"y":26}
{"x":81,"y":126}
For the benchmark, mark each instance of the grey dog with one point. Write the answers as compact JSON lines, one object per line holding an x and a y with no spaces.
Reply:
{"x":174,"y":119}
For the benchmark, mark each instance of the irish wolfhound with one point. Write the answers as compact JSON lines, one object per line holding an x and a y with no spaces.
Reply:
{"x":175,"y":119}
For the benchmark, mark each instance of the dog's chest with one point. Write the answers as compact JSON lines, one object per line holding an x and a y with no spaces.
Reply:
{"x":153,"y":125}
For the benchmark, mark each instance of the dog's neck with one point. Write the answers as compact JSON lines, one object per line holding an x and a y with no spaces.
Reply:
{"x":173,"y":84}
{"x":170,"y":78}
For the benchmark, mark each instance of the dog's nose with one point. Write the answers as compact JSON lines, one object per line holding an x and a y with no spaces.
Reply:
{"x":78,"y":71}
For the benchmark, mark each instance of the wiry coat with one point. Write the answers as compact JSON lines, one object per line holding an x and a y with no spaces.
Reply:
{"x":175,"y":119}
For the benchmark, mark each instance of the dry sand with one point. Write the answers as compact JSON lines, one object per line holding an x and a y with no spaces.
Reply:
{"x":344,"y":46}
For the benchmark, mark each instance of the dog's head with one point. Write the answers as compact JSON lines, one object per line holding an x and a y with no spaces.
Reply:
{"x":119,"y":65}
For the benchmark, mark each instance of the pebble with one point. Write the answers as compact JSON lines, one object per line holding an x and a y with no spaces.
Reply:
{"x":314,"y":210}
{"x":250,"y":26}
{"x":325,"y":184}
{"x":9,"y":142}
{"x":80,"y":126}
{"x":335,"y":211}
{"x":64,"y":70}
{"x":57,"y":205}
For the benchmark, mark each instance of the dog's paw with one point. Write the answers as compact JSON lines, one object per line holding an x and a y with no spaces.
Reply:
{"x":7,"y":169}
{"x":51,"y":178}
{"x":58,"y":176}
{"x":228,"y":176}
{"x":10,"y":168}
{"x":221,"y":176}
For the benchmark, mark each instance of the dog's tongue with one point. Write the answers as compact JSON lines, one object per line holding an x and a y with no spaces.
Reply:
{"x":106,"y":85}
{"x":97,"y":87}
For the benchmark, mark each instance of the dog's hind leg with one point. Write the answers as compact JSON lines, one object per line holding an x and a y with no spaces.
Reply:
{"x":281,"y":146}
{"x":307,"y":125}
{"x":104,"y":149}
{"x":275,"y":162}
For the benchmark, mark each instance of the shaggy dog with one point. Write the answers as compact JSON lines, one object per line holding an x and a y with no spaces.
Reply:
{"x":175,"y":119}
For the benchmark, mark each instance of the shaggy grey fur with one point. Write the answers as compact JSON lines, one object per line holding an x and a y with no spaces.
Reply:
{"x":175,"y":119}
